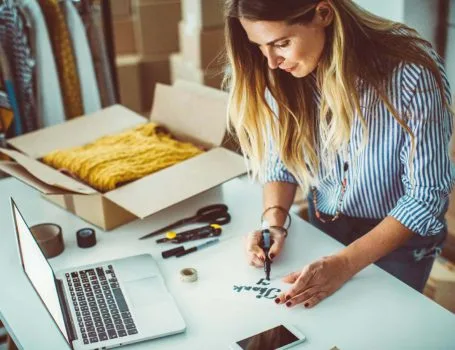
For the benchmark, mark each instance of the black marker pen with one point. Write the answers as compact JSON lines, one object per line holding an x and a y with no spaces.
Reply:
{"x":266,"y":247}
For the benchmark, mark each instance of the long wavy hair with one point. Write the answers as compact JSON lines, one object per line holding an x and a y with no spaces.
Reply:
{"x":359,"y":45}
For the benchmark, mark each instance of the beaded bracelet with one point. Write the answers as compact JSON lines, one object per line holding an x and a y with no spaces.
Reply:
{"x":281,"y":209}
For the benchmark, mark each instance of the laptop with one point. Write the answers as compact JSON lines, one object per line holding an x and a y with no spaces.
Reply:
{"x":101,"y":305}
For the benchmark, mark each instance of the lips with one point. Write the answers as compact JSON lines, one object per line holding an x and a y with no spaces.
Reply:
{"x":289,"y":69}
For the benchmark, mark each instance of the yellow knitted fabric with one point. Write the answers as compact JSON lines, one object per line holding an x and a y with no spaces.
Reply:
{"x":114,"y":160}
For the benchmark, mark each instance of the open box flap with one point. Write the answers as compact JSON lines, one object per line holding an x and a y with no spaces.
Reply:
{"x":19,"y":172}
{"x":48,"y":175}
{"x":151,"y":193}
{"x":191,"y":110}
{"x":76,"y":132}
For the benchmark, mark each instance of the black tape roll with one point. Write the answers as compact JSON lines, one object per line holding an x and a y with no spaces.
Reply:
{"x":86,"y":237}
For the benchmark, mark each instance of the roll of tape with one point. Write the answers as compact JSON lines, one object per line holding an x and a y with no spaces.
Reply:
{"x":49,"y":237}
{"x":86,"y":237}
{"x":188,"y":275}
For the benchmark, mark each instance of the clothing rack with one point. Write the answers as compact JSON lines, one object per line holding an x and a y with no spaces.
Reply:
{"x":106,"y":64}
{"x":109,"y":35}
{"x":441,"y":27}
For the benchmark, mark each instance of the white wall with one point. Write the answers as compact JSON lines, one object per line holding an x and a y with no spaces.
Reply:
{"x":391,"y":9}
{"x":452,"y":12}
{"x":418,"y":14}
{"x":422,"y":16}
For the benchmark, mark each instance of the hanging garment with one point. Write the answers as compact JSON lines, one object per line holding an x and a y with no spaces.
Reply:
{"x":10,"y":91}
{"x":64,"y":57}
{"x":49,"y":97}
{"x":14,"y":40}
{"x":86,"y":71}
{"x":6,"y":119}
{"x":4,"y":103}
{"x":91,"y":16}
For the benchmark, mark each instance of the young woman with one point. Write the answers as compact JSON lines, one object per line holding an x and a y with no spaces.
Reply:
{"x":354,"y":109}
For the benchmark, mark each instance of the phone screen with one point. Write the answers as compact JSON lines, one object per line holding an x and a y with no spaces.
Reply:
{"x":269,"y":339}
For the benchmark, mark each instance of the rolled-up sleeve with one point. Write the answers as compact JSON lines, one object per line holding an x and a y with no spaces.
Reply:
{"x":275,"y":169}
{"x":429,"y":177}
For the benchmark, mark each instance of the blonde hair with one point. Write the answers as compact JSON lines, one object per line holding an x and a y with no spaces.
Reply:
{"x":358,"y":45}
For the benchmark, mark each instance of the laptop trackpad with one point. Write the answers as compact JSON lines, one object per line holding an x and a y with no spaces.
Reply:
{"x":146,"y":291}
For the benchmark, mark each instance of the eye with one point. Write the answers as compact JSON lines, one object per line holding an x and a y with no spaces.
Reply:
{"x":283,"y":44}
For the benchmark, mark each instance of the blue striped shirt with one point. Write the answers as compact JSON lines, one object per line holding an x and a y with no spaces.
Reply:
{"x":379,"y":182}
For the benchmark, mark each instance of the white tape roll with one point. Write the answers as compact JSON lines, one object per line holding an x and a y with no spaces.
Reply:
{"x":188,"y":275}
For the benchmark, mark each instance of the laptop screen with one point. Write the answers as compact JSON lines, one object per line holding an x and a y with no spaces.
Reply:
{"x":38,"y":270}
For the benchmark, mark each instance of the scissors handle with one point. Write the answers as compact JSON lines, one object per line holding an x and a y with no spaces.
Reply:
{"x":213,"y":214}
{"x":222,"y":220}
{"x":212,"y":208}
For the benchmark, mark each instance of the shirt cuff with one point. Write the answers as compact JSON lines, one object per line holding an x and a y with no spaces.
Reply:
{"x":279,"y":175}
{"x":416,"y":217}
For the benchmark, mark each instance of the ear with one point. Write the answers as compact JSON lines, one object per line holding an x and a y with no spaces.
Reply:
{"x":324,"y":14}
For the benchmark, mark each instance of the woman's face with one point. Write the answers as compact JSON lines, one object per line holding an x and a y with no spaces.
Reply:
{"x":294,"y":48}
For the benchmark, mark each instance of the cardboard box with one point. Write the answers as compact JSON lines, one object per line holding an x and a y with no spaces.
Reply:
{"x":156,"y":26}
{"x":441,"y":284}
{"x":448,"y":250}
{"x":154,"y":69}
{"x":203,"y":13}
{"x":129,"y":81}
{"x":183,"y":70}
{"x":120,"y":8}
{"x":202,"y":47}
{"x":196,"y":114}
{"x":124,"y":36}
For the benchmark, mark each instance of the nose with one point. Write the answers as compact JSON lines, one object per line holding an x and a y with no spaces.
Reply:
{"x":273,"y":59}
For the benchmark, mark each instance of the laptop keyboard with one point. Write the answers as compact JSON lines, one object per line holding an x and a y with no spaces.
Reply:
{"x":101,"y":309}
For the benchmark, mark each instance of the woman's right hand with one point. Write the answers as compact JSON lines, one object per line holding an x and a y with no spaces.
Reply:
{"x":255,"y":254}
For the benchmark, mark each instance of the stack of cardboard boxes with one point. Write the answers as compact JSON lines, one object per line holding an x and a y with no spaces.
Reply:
{"x":449,"y":245}
{"x":201,"y":34}
{"x":441,"y":284}
{"x":145,"y":35}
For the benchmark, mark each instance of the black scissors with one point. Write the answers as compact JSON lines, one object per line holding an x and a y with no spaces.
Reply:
{"x":211,"y":214}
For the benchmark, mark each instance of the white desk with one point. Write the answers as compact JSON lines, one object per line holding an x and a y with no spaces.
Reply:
{"x":373,"y":311}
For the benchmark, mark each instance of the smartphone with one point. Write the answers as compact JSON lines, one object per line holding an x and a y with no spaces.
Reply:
{"x":280,"y":337}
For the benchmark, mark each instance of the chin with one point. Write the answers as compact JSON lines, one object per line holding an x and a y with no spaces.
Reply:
{"x":300,"y":73}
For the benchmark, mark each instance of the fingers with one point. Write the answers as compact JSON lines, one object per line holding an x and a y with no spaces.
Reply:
{"x":256,"y":262}
{"x":299,"y":280}
{"x":310,"y":296}
{"x":256,"y":256}
{"x":277,"y":246}
{"x":315,"y":299}
{"x":300,"y":284}
{"x":292,"y":277}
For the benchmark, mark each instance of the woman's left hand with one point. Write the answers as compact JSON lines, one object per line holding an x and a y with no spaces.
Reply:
{"x":316,"y":281}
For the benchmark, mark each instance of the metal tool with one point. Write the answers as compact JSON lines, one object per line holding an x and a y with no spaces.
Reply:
{"x":211,"y":214}
{"x":212,"y":230}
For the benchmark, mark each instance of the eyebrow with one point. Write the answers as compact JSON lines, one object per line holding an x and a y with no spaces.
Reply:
{"x":271,"y":42}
